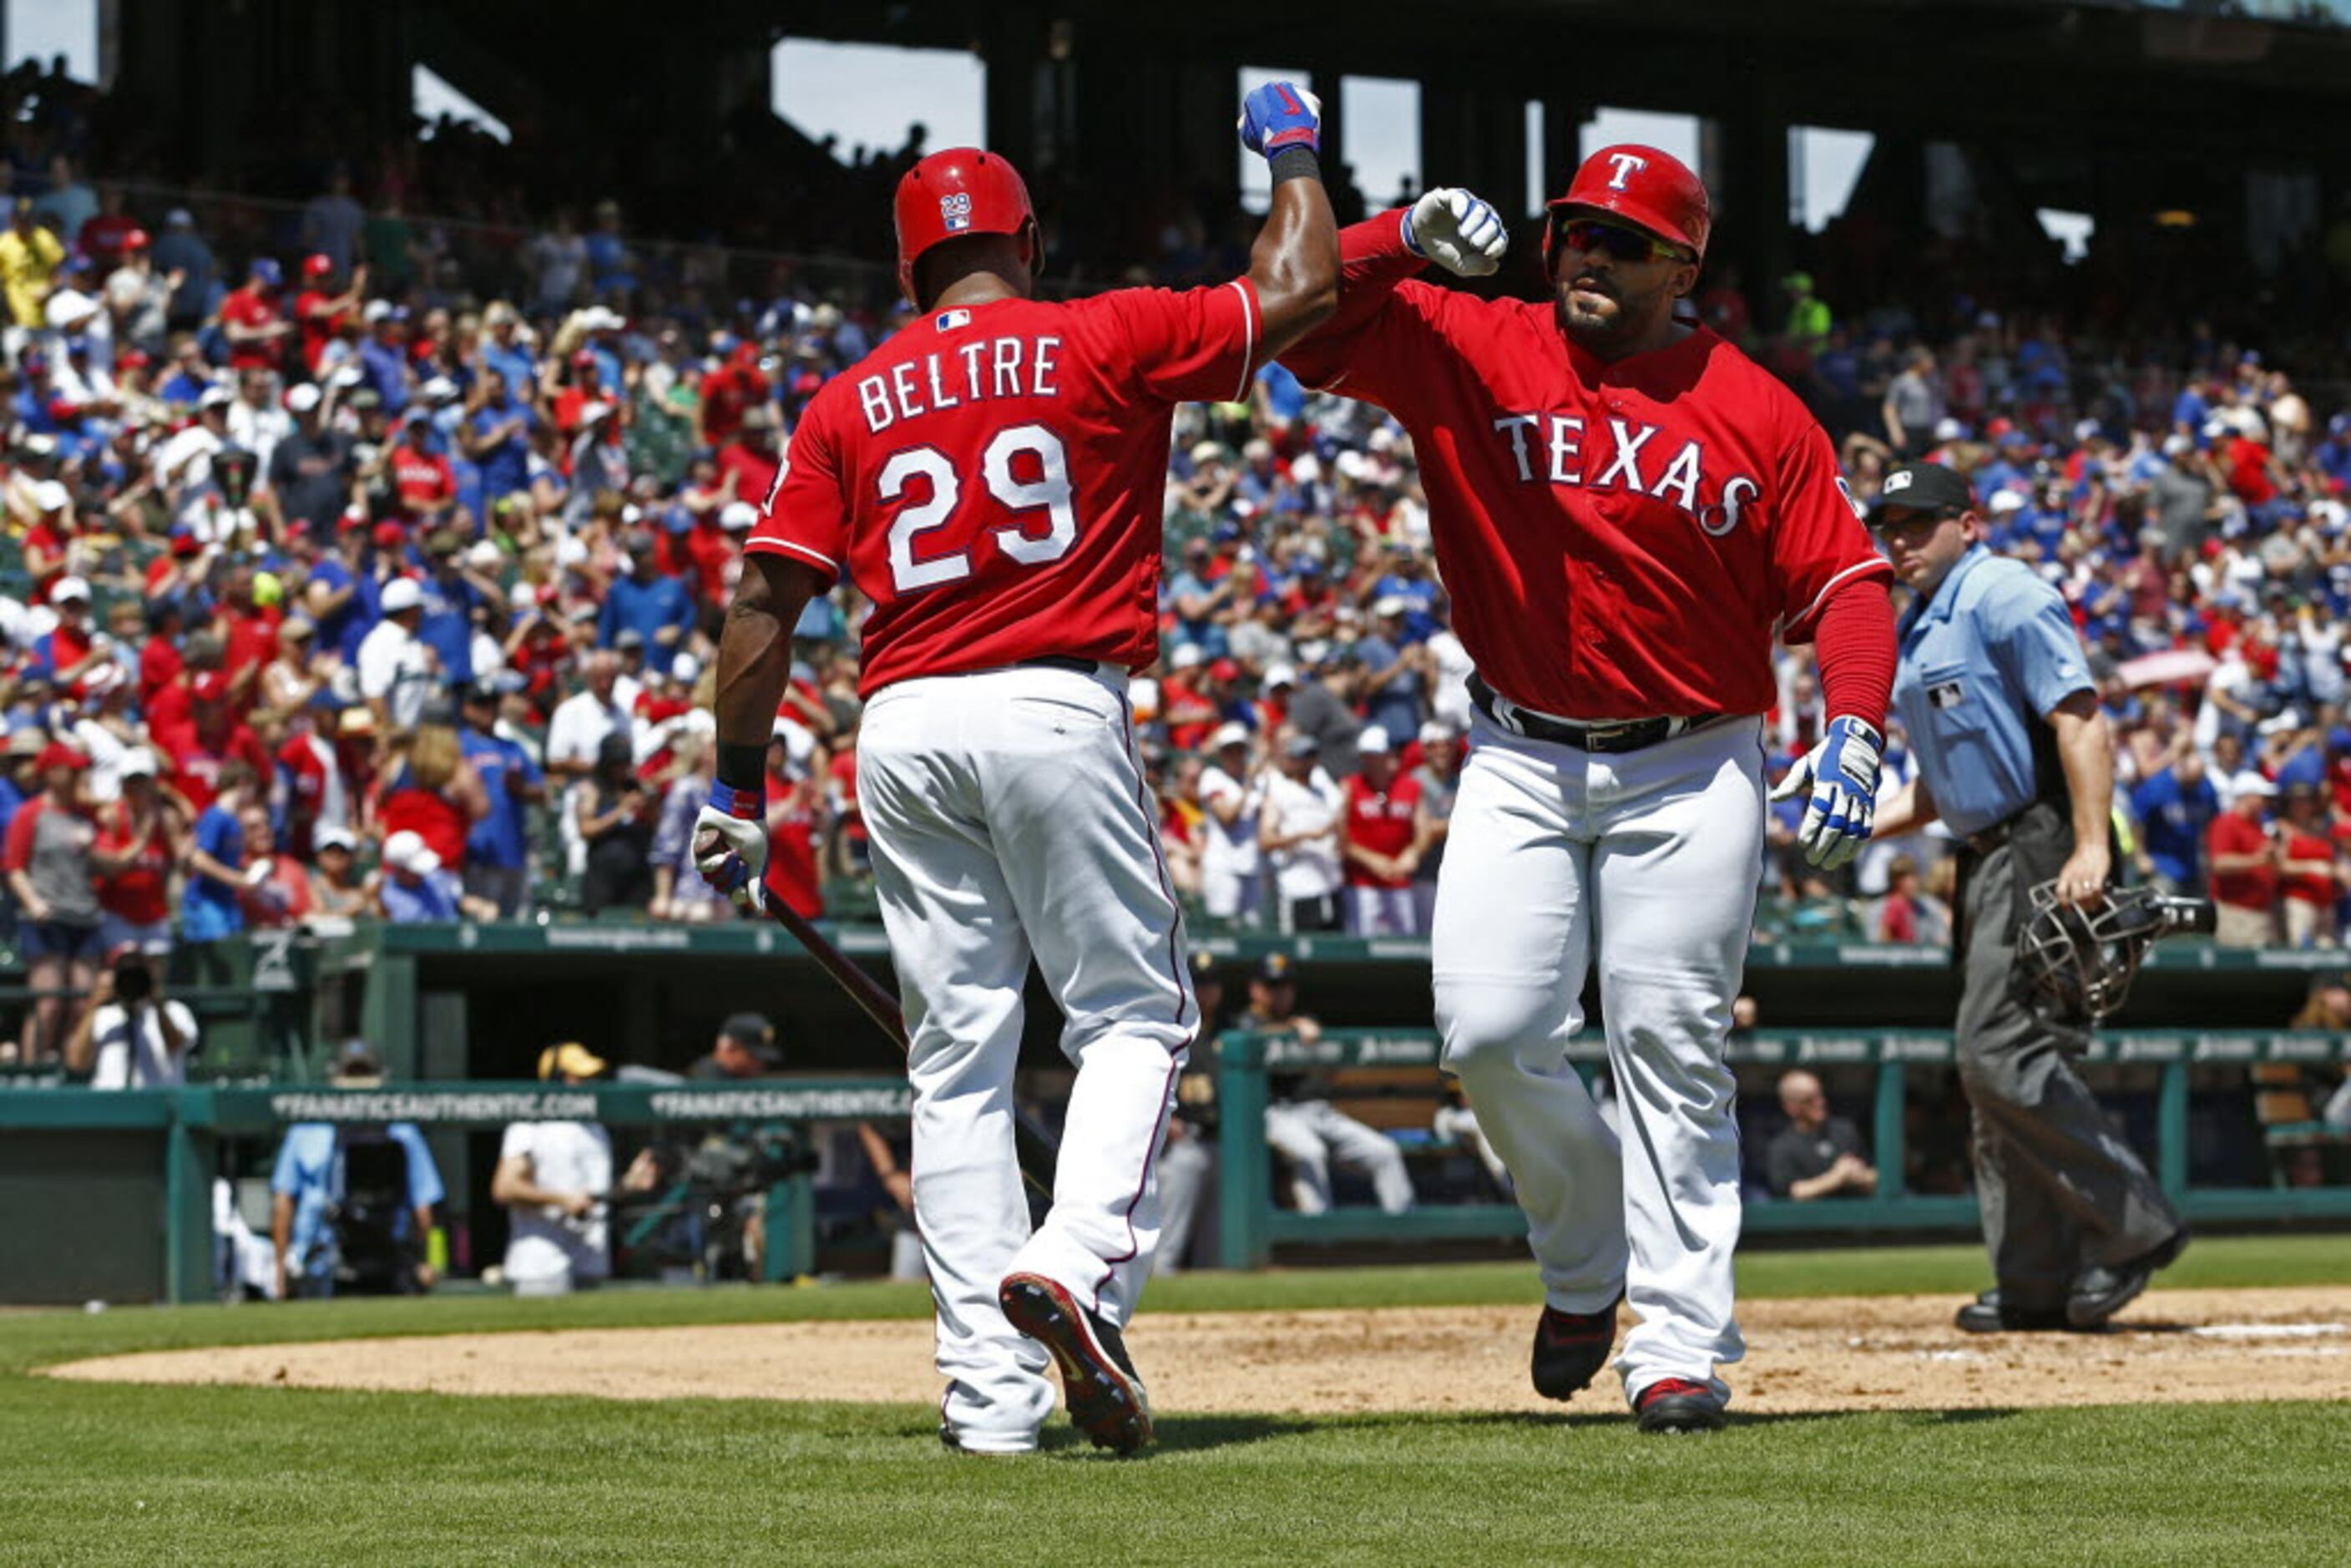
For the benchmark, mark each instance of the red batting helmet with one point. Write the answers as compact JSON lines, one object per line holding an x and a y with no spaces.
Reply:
{"x":1643,"y":186}
{"x":962,"y":191}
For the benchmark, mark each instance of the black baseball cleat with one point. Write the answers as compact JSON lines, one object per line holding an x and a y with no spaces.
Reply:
{"x":1989,"y":1314}
{"x":2103,"y":1292}
{"x":1678,"y":1405}
{"x":1570,"y":1348}
{"x":1105,"y":1396}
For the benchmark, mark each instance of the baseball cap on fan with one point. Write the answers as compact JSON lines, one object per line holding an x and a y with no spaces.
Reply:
{"x":1921,"y":488}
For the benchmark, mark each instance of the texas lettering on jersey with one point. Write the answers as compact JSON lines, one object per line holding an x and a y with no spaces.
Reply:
{"x":1623,"y":539}
{"x":1550,"y":448}
{"x":992,"y":478}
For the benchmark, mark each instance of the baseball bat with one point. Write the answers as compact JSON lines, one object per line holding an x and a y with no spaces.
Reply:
{"x":1032,"y":1145}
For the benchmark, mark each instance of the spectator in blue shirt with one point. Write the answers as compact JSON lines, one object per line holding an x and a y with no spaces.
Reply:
{"x":317,"y":1220}
{"x":210,"y":909}
{"x":414,"y":888}
{"x":497,"y":851}
{"x":2174,"y":806}
{"x":498,"y":439}
{"x":183,"y":250}
{"x":503,"y":352}
{"x":383,"y":357}
{"x":658,"y":609}
{"x":1393,"y":678}
{"x":453,"y":593}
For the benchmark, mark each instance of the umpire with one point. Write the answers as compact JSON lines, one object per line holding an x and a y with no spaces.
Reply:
{"x":2015,"y":758}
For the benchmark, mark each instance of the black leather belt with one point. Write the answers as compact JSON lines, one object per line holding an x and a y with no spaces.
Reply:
{"x":1628,"y":735}
{"x":1059,"y":661}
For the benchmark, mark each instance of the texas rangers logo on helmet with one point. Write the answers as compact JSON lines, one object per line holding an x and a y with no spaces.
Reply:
{"x":954,"y":212}
{"x":1626,"y":165}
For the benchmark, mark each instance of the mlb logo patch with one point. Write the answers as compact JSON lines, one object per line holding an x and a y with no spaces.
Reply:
{"x":954,"y":212}
{"x":948,"y":320}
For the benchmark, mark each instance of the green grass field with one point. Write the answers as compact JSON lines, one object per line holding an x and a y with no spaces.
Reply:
{"x":250,"y":1475}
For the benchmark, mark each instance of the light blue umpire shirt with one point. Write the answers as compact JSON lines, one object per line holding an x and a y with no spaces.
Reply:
{"x":1983,"y":661}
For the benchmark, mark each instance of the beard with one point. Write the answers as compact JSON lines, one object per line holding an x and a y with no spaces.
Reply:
{"x":1604,"y":315}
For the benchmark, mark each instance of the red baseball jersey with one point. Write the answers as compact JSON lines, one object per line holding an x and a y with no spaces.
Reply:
{"x":992,"y":478}
{"x":1381,"y":821}
{"x":1620,"y":540}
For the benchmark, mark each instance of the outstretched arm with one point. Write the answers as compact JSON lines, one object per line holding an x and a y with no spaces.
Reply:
{"x":1294,"y":265}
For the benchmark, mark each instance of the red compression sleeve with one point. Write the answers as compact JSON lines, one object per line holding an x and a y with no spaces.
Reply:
{"x":1854,"y":641}
{"x":1373,"y":259}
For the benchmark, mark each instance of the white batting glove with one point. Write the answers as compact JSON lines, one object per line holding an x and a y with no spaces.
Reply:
{"x":1840,"y":778}
{"x":1459,"y":232}
{"x":731,"y":851}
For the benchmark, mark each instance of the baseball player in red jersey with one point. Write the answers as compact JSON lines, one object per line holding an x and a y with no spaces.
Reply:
{"x":1625,"y":510}
{"x":992,"y":479}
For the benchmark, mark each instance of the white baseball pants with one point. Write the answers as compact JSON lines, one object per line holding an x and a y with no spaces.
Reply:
{"x":1009,"y":817}
{"x":1310,"y":1133}
{"x":1644,"y":860}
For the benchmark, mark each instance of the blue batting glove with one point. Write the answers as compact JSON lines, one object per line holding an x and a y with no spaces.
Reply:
{"x":1841,"y":776}
{"x":1277,"y":117}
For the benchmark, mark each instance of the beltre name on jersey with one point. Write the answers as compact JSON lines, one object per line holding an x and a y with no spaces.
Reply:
{"x":970,"y":372}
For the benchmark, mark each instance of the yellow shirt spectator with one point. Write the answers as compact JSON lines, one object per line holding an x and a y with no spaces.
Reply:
{"x":29,"y":255}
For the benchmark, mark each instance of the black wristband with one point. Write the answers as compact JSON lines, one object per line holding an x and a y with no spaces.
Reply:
{"x":1294,"y":163}
{"x":743,"y":768}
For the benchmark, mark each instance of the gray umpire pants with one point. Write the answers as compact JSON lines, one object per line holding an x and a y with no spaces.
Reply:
{"x":2060,"y":1190}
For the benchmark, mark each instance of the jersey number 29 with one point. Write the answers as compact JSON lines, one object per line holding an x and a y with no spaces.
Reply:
{"x":1049,"y":493}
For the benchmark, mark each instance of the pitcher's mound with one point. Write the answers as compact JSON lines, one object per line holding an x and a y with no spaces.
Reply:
{"x":1879,"y":1352}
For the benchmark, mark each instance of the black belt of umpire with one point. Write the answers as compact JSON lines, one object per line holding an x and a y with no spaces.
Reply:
{"x":1627,"y":734}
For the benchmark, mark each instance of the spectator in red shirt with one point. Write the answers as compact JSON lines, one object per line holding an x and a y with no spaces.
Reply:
{"x":1184,"y":707}
{"x":2306,"y":873}
{"x":731,"y":391}
{"x":2244,"y":854}
{"x":796,"y":822}
{"x":44,"y":544}
{"x":211,"y":737}
{"x":427,"y":485}
{"x":713,"y":546}
{"x":750,"y":461}
{"x":142,"y":836}
{"x":279,"y":895}
{"x":183,"y":563}
{"x":248,"y":635}
{"x":1379,"y":846}
{"x":255,"y":326}
{"x":431,"y":791}
{"x":319,"y":312}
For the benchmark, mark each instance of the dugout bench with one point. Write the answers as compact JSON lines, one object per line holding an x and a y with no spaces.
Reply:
{"x":109,"y":1194}
{"x":1366,"y":1062}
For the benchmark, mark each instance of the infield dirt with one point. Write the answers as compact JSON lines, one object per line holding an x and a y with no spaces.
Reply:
{"x":1875,"y":1352}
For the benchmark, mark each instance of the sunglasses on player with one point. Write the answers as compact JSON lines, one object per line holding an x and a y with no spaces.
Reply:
{"x":1616,"y":243}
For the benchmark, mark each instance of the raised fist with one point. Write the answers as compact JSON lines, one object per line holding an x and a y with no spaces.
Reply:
{"x":1277,"y":117}
{"x":1457,"y":231}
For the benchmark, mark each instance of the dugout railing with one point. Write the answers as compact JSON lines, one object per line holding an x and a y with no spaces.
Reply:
{"x":1252,"y":1225}
{"x":110,"y":1195}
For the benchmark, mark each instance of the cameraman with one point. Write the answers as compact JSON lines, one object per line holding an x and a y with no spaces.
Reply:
{"x":139,"y":1038}
{"x":353,"y":1205}
{"x":2015,"y":757}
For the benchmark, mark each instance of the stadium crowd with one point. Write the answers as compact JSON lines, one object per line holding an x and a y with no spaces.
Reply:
{"x":353,"y":581}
